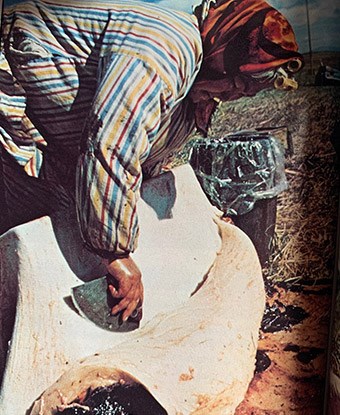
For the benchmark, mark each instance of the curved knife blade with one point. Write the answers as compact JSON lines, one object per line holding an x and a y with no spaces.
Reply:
{"x":94,"y":302}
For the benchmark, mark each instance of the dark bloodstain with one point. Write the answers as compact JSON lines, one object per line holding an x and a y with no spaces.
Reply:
{"x":262,"y":361}
{"x":304,"y":354}
{"x":292,"y":348}
{"x":319,"y":287}
{"x":280,"y":317}
{"x":118,"y":400}
{"x":308,"y":355}
{"x":313,"y":380}
{"x":270,"y":288}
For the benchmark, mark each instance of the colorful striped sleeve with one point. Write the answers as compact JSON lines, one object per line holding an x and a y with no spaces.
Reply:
{"x":142,"y":83}
{"x":132,"y":105}
{"x":122,"y":125}
{"x":107,"y":75}
{"x":18,"y":136}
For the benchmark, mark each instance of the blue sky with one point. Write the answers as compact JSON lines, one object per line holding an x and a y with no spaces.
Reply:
{"x":324,"y":20}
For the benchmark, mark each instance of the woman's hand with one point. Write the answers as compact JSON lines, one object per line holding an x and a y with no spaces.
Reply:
{"x":130,"y":287}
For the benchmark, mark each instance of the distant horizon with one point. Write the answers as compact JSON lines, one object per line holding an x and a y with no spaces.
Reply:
{"x":336,"y":52}
{"x":324,"y":17}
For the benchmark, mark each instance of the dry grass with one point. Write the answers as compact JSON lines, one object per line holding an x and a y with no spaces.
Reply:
{"x":305,"y":239}
{"x":304,"y":247}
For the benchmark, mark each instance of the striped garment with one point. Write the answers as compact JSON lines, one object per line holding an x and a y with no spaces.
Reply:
{"x":102,"y":86}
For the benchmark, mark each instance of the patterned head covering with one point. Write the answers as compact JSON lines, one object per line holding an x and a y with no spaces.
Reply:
{"x":245,"y":42}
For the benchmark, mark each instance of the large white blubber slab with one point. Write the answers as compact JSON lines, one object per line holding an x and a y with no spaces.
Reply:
{"x":212,"y":335}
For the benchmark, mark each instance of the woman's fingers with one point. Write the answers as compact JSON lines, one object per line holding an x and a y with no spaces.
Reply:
{"x":130,"y":286}
{"x":132,"y":306}
{"x":129,"y":302}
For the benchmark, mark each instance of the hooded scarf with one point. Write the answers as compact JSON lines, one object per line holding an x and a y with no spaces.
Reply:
{"x":240,"y":38}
